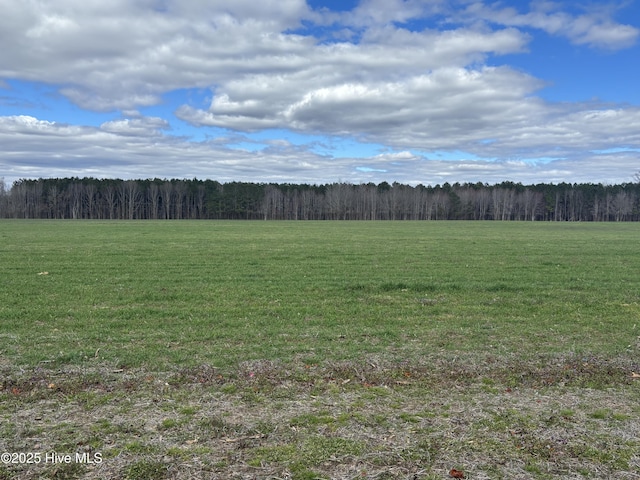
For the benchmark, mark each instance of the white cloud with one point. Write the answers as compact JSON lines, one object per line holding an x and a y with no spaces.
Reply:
{"x":381,"y":12}
{"x":118,"y":55}
{"x":353,"y":89}
{"x":596,"y":28}
{"x":125,"y":54}
{"x":571,"y":132}
{"x":149,"y":126}
{"x":432,"y":88}
{"x":26,"y":124}
{"x":606,"y":34}
{"x":42,"y":149}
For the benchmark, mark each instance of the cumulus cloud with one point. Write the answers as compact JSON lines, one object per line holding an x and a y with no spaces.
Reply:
{"x":365,"y":74}
{"x":38,"y":146}
{"x":342,"y":87}
{"x":125,"y":54}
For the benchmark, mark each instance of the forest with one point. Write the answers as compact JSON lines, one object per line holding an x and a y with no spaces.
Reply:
{"x":93,"y":198}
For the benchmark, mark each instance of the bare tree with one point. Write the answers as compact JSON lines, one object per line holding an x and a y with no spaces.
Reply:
{"x":110,"y":198}
{"x":167,"y":198}
{"x":623,"y":205}
{"x":154,"y":199}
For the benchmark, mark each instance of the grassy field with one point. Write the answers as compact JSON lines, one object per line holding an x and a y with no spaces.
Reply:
{"x":382,"y":350}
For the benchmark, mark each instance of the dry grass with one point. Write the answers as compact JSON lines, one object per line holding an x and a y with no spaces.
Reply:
{"x":489,"y":417}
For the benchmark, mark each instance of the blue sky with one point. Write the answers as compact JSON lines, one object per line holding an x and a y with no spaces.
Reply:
{"x":316,"y":91}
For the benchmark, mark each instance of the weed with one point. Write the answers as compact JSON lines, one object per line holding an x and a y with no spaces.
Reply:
{"x":168,"y":423}
{"x":567,"y":413}
{"x":410,"y":418}
{"x":600,"y":414}
{"x":190,"y":410}
{"x":146,"y":470}
{"x":311,"y":419}
{"x":137,"y":447}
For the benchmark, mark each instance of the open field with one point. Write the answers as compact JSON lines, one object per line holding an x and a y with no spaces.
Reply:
{"x":381,"y":350}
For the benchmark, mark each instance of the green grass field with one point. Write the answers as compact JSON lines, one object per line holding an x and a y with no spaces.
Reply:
{"x":321,"y":349}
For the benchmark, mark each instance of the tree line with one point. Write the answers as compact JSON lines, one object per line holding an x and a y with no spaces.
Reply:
{"x":92,"y":198}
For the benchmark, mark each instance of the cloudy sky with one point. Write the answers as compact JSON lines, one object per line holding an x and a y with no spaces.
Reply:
{"x":316,"y":91}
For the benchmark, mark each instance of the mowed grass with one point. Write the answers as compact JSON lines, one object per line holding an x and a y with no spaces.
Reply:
{"x":159,"y":294}
{"x":279,"y":341}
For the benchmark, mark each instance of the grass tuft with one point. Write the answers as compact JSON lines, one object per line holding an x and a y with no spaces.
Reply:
{"x":146,"y":470}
